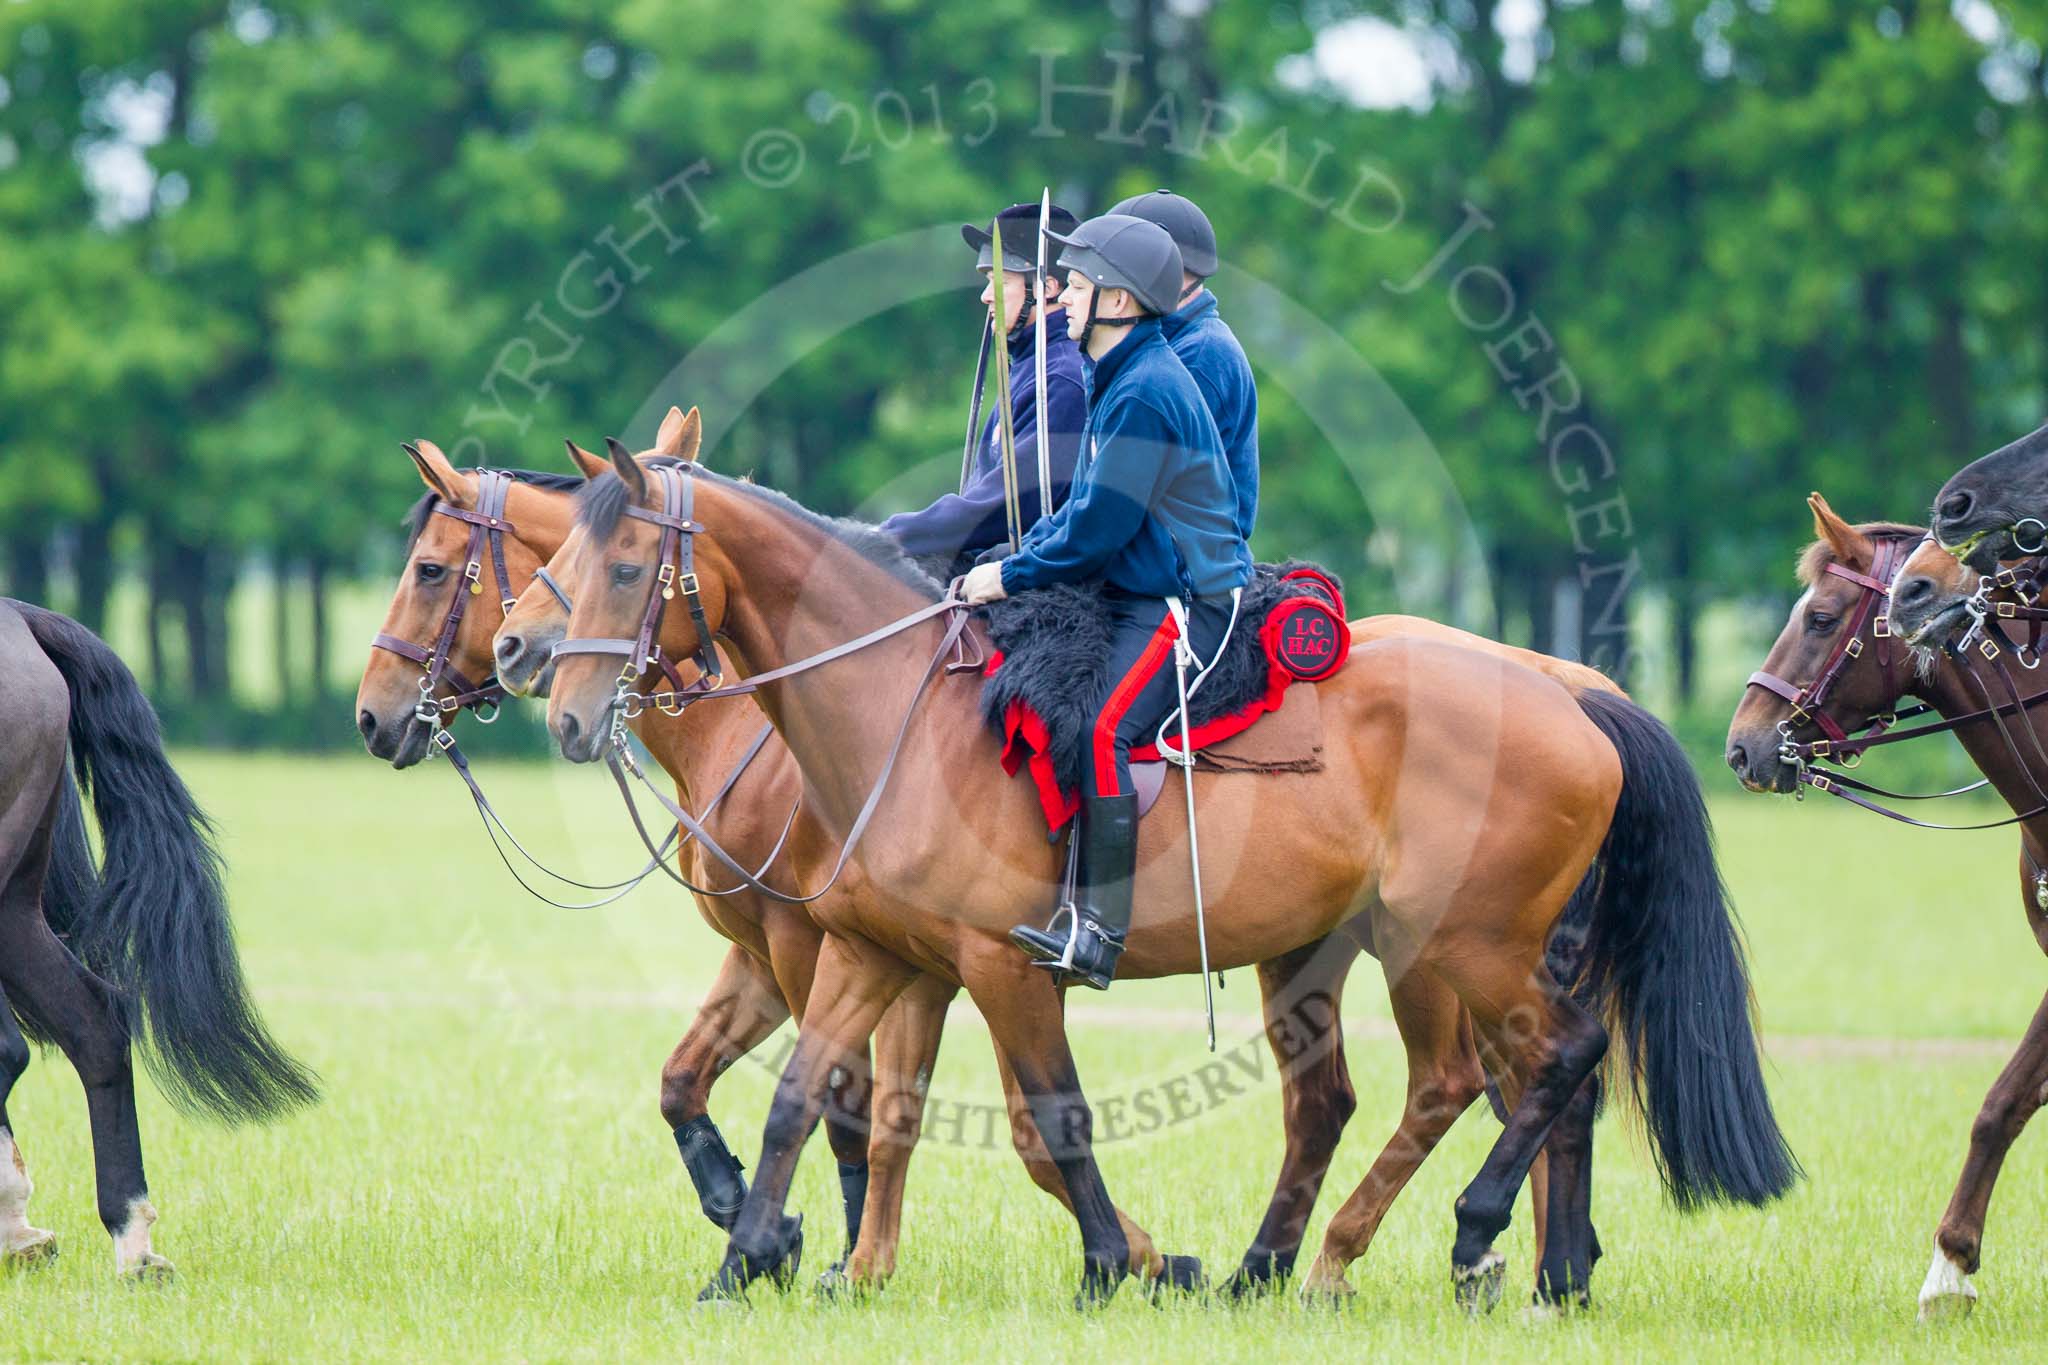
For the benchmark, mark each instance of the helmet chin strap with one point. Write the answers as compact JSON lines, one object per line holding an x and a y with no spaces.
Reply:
{"x":1092,"y":321}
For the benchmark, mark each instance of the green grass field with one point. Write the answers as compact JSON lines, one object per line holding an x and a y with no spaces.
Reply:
{"x":488,"y":1177}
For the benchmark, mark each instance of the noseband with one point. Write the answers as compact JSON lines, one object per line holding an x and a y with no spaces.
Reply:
{"x":1808,"y":701}
{"x":675,"y":572}
{"x":487,"y":531}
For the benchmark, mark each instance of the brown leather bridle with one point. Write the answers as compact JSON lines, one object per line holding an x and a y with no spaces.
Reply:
{"x":1807,"y":702}
{"x":675,"y":572}
{"x":487,"y":531}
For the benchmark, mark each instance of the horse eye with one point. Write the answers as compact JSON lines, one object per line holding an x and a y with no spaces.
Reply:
{"x":431,"y":572}
{"x":1820,"y":623}
{"x":623,"y":574}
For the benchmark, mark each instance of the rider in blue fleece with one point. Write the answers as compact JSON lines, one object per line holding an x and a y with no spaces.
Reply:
{"x":1206,"y":345}
{"x":972,"y":520}
{"x":1153,"y":516}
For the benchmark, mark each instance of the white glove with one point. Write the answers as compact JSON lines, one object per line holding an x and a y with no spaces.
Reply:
{"x":983,"y":584}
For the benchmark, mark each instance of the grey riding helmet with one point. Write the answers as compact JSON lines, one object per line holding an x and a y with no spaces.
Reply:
{"x":1184,"y":221}
{"x":1117,"y":251}
{"x":1020,"y":236}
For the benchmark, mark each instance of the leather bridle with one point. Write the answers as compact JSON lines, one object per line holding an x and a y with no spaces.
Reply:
{"x":1808,"y":701}
{"x":675,"y":571}
{"x":487,"y":531}
{"x":643,"y":654}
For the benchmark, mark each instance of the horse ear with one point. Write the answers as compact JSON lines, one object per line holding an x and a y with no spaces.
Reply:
{"x":591,"y":465}
{"x":436,"y":472}
{"x":1849,"y":544}
{"x":627,"y":467}
{"x":689,"y":435}
{"x":671,"y":432}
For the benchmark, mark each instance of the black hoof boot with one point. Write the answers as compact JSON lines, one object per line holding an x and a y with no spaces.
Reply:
{"x":714,"y":1170}
{"x":853,"y":1192}
{"x":1180,"y":1275}
{"x":1261,"y":1273}
{"x":779,"y":1265}
{"x":1099,"y":1281}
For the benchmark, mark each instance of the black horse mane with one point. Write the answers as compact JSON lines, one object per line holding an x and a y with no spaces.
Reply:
{"x":604,"y":500}
{"x":416,"y":517}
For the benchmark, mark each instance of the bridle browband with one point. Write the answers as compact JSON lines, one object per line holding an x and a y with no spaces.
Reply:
{"x":675,"y":571}
{"x":643,"y":654}
{"x":487,"y":531}
{"x":1807,"y":702}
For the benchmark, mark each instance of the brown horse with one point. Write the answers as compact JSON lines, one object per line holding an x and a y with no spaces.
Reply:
{"x":1928,"y":585}
{"x":1444,"y":1073}
{"x":1463,"y":801}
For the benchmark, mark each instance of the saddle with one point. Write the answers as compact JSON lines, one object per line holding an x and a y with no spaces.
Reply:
{"x":1047,"y":672}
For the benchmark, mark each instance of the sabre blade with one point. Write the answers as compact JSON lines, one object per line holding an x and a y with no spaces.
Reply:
{"x":1005,"y":423}
{"x":974,"y":406}
{"x":1038,"y":358}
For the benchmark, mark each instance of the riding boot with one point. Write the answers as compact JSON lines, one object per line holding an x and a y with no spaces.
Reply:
{"x":1087,"y":947}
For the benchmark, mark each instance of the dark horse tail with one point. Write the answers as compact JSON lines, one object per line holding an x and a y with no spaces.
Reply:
{"x":154,"y":921}
{"x":1665,"y":957}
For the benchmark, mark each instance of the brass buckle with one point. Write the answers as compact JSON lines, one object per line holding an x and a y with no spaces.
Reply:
{"x":1855,"y":648}
{"x":1881,"y":627}
{"x":1987,"y":648}
{"x":666,"y":577}
{"x":1822,"y":783}
{"x":2007,"y":578}
{"x":474,"y":573}
{"x":669,"y":703}
{"x":444,"y":739}
{"x":2008,"y":610}
{"x":1822,"y":748}
{"x":689,"y":583}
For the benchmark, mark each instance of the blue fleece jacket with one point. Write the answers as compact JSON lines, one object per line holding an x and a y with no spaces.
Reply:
{"x":1152,"y":510}
{"x":972,"y":520}
{"x":1207,"y":346}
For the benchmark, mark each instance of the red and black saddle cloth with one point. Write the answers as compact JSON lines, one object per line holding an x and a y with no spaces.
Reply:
{"x":1046,"y":676}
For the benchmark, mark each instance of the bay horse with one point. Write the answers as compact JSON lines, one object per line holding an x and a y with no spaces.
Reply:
{"x":1444,"y":1069}
{"x":1464,"y":800}
{"x":137,"y":949}
{"x":1865,"y":636}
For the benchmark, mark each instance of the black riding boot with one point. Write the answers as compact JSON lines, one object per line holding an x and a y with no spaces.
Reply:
{"x":1086,"y":947}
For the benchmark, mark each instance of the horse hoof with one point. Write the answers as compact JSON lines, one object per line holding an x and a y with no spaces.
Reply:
{"x":840,"y":1286}
{"x":1182,"y":1274}
{"x":39,"y":1249}
{"x":1478,"y":1285}
{"x":1947,"y":1293}
{"x":151,"y":1269}
{"x":1098,"y":1286}
{"x":791,"y":1261}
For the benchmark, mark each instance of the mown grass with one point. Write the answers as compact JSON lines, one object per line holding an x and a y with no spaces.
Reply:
{"x":488,"y":1177}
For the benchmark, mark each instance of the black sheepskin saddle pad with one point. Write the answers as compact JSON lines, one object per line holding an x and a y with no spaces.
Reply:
{"x":1055,"y":641}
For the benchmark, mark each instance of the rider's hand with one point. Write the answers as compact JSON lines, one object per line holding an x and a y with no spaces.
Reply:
{"x":983,"y":584}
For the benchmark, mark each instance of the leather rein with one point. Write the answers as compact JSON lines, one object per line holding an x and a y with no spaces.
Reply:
{"x":1985,"y":638}
{"x":642,"y":653}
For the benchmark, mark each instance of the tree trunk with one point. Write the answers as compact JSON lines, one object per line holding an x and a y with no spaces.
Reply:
{"x":316,"y":579}
{"x":157,"y":590}
{"x":1685,"y":614}
{"x":187,"y":565}
{"x":95,"y":569}
{"x":28,"y":566}
{"x":281,"y":622}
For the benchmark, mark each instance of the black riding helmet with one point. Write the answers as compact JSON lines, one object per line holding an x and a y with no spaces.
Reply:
{"x":1116,"y":251}
{"x":1020,"y":246}
{"x":1184,"y":221}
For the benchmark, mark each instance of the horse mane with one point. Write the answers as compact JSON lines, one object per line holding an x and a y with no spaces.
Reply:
{"x":605,"y":498}
{"x":416,"y":516}
{"x":1815,"y":558}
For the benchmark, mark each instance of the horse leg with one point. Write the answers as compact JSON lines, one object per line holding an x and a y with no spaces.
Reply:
{"x":794,"y":943}
{"x":1300,"y":993}
{"x":1157,"y":1269}
{"x":906,"y":1050}
{"x":1562,"y":1205}
{"x":1024,"y":1015}
{"x":1533,"y":1030}
{"x":854,"y":984}
{"x":79,"y":1010}
{"x":743,"y":1007}
{"x":20,"y":1243}
{"x":1959,"y":1242}
{"x":1443,"y":1079}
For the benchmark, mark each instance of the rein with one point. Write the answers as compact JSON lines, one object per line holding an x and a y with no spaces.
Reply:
{"x":643,"y":653}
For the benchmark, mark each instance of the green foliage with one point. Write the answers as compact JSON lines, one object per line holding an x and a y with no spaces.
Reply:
{"x":1759,"y":247}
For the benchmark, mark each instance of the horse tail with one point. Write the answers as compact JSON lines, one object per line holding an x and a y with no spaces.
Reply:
{"x":154,"y":920}
{"x":1665,"y":955}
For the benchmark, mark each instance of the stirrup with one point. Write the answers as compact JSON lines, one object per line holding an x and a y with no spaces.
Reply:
{"x":1037,"y":942}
